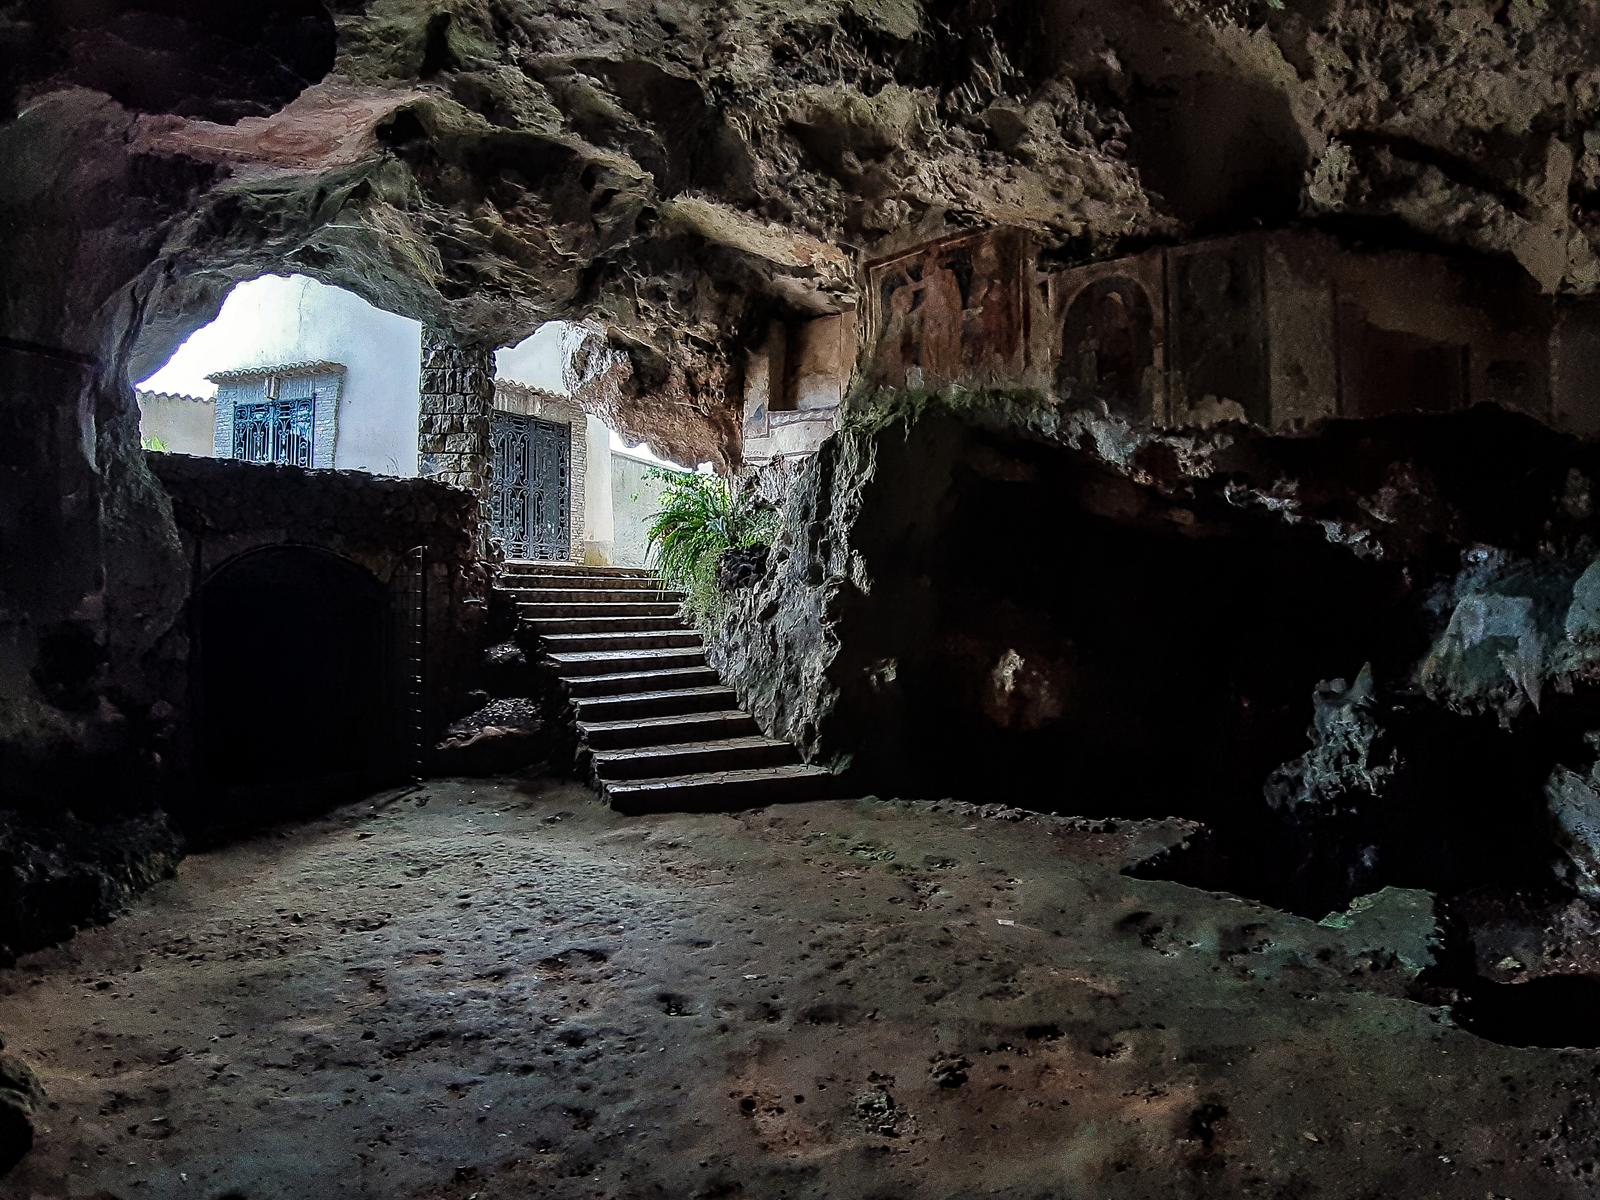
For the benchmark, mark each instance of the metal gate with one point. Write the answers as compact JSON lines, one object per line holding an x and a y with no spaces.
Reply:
{"x":530,"y":492}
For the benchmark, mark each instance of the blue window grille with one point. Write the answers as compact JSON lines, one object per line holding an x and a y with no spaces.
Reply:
{"x":276,"y":431}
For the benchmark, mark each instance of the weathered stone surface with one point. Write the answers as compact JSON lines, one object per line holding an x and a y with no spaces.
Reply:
{"x":503,"y":735}
{"x":917,"y":626}
{"x":916,"y":540}
{"x":456,"y":400}
{"x":508,"y":671}
{"x":1575,"y":810}
{"x":677,"y":178}
{"x":742,"y":566}
{"x":1398,"y":924}
{"x":1520,"y":629}
{"x":60,"y":871}
{"x":21,"y":1097}
{"x":1347,"y":755}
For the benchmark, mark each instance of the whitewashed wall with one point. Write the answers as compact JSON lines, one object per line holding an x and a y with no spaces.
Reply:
{"x":284,"y":319}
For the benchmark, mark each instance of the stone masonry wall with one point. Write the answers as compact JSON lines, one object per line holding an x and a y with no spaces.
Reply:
{"x":457,"y":394}
{"x":226,"y":508}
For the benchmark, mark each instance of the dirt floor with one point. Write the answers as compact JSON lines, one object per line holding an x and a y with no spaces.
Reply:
{"x":504,"y":990}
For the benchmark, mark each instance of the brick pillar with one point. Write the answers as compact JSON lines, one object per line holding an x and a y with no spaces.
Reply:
{"x":457,"y":397}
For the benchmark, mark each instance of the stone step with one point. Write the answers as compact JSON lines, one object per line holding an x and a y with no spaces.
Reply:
{"x":630,"y":583}
{"x":666,"y":702}
{"x":748,"y":787}
{"x":667,"y":731}
{"x":652,"y":639}
{"x":594,"y":595}
{"x":533,"y":569}
{"x":624,"y":682}
{"x":535,"y":610}
{"x":693,"y":758}
{"x":608,"y":662}
{"x":547,"y":626}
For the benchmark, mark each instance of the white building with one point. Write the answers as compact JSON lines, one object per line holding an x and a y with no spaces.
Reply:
{"x":293,"y":340}
{"x":296,"y":371}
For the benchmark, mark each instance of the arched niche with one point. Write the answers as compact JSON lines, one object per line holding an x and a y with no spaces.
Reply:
{"x":295,"y":678}
{"x":1108,"y":347}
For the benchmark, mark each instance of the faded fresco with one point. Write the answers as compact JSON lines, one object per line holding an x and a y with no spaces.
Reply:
{"x":1108,"y":348}
{"x":951,"y":312}
{"x":1277,"y":329}
{"x":1217,"y":316}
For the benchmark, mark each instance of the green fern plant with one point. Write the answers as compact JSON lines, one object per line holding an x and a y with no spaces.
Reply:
{"x":699,"y":517}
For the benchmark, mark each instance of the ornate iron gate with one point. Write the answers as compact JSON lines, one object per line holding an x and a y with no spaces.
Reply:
{"x":530,"y":492}
{"x":277,"y":431}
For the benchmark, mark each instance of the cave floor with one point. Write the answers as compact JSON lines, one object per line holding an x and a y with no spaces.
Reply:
{"x":505,"y":990}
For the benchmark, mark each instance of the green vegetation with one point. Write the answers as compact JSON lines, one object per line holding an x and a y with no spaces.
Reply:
{"x":152,"y":442}
{"x":700,"y":517}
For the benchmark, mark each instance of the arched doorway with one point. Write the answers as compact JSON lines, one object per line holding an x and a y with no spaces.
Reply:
{"x":294,"y":678}
{"x":1107,"y":347}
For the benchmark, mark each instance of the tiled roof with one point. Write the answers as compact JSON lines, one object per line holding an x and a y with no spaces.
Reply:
{"x":527,"y":389}
{"x":297,"y":368}
{"x":144,"y":395}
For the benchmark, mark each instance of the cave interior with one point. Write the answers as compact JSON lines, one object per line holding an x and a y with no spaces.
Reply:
{"x":1151,"y":749}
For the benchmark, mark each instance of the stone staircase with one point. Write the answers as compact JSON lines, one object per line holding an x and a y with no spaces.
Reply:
{"x":662,"y":730}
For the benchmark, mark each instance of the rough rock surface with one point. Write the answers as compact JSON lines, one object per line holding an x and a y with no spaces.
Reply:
{"x":912,"y":594}
{"x":503,"y":735}
{"x":677,"y":172}
{"x":937,"y":578}
{"x":1348,"y":756}
{"x":742,"y":566}
{"x":61,"y":871}
{"x":1326,"y":799}
{"x":21,"y":1098}
{"x":1575,"y":809}
{"x":508,"y":670}
{"x":817,"y":1000}
{"x":1519,"y":629}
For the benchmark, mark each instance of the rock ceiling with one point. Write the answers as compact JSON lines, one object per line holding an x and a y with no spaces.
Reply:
{"x":681,"y":171}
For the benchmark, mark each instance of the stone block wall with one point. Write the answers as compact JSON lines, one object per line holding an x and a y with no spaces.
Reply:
{"x":457,"y":393}
{"x":226,"y":508}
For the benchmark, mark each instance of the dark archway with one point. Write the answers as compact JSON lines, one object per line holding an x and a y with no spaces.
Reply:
{"x":1108,"y":346}
{"x":293,"y":681}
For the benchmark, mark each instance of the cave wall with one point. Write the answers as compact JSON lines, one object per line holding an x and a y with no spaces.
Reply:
{"x":994,"y":594}
{"x":681,"y":177}
{"x":1575,"y":368}
{"x":92,"y":561}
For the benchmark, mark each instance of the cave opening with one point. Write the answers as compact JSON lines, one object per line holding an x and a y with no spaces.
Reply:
{"x":290,"y":371}
{"x":1116,"y":650}
{"x":1151,"y":657}
{"x":297,"y":683}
